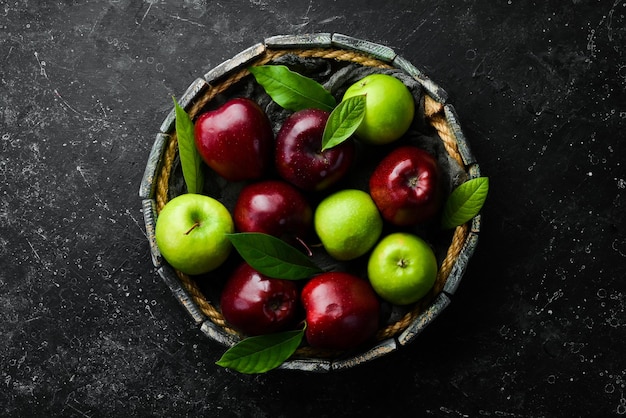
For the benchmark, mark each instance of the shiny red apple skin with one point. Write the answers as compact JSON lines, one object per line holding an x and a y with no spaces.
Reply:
{"x":342,"y":311}
{"x":236,"y":140}
{"x":256,"y":304}
{"x":273,"y":207}
{"x":299,"y":158}
{"x":406,"y":186}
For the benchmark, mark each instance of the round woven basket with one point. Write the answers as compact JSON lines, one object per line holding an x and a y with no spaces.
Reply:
{"x":162,"y":181}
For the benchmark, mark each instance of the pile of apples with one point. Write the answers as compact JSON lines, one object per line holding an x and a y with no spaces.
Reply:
{"x":292,"y":190}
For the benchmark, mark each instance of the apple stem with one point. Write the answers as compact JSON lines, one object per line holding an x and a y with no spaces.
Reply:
{"x":306,"y":247}
{"x":402,"y":263}
{"x":194,"y":226}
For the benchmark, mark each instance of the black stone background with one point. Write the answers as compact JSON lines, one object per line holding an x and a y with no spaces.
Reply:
{"x":537,"y":327}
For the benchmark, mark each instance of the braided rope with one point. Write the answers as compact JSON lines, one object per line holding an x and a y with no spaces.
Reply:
{"x":434,"y":114}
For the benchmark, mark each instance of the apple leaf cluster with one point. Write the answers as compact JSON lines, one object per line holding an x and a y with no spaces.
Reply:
{"x":190,"y":158}
{"x":293,"y":91}
{"x":343,"y":121}
{"x":262,"y":353}
{"x":465,"y":202}
{"x":272,"y":256}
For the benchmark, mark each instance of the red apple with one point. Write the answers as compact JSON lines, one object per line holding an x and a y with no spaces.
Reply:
{"x":273,"y":207}
{"x":406,"y":186}
{"x":235,"y":140}
{"x":299,"y":157}
{"x":342,"y":311}
{"x":256,"y":304}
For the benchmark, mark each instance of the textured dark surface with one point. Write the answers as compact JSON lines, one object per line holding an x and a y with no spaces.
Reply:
{"x":537,"y":326}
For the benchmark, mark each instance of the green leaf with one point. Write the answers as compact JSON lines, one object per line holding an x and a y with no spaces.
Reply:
{"x":343,"y":121}
{"x":190,"y":159}
{"x":272,"y":256}
{"x":291,"y":90}
{"x":261,"y":353}
{"x":465,"y":202}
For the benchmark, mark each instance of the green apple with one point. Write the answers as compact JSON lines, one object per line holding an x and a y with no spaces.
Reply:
{"x":348,"y":223}
{"x":402,"y":268}
{"x":191,"y":233}
{"x":389,"y":108}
